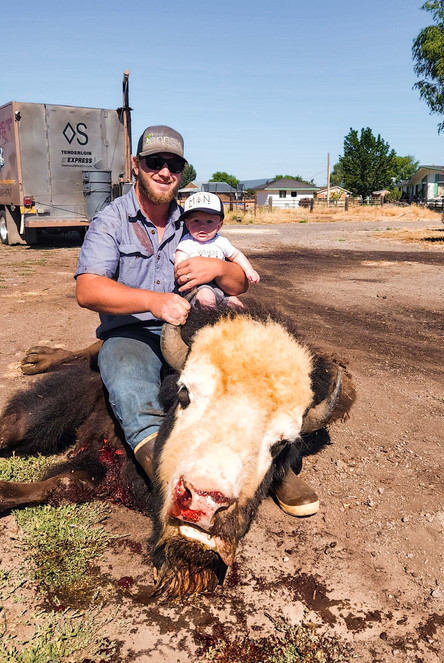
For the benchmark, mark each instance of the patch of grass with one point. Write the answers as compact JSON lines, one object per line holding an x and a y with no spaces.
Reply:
{"x":10,"y":582}
{"x":59,"y":545}
{"x":386,"y":214}
{"x":59,"y":637}
{"x":16,"y":468}
{"x":433,"y":235}
{"x":59,"y":542}
{"x":303,"y":221}
{"x":290,"y":644}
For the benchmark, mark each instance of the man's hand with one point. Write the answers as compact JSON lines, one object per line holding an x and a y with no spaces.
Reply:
{"x":101,"y":294}
{"x":196,"y":271}
{"x":169,"y":307}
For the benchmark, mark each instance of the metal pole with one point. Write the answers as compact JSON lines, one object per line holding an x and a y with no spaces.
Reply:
{"x":127,"y":126}
{"x":328,"y":179}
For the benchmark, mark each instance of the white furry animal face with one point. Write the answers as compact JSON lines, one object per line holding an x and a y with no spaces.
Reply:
{"x":247,"y":385}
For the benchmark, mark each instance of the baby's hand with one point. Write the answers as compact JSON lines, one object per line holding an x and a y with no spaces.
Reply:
{"x":253,"y":276}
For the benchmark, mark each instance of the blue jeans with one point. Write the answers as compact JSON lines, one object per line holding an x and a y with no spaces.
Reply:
{"x":130,"y":367}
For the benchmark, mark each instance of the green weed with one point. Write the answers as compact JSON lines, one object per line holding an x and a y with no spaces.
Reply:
{"x":16,"y":468}
{"x":59,"y":545}
{"x":290,"y":644}
{"x":59,"y":637}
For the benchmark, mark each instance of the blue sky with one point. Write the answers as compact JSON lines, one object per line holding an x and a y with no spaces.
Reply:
{"x":256,"y":88}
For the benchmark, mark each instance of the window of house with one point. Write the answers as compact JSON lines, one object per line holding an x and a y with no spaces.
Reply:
{"x":282,"y":193}
{"x":294,"y":194}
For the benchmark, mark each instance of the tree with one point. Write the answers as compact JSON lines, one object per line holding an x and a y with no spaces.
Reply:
{"x":405,"y":168}
{"x":428,"y":54}
{"x":225,"y":177}
{"x":292,"y":177}
{"x":188,"y":175}
{"x":368,"y":163}
{"x":337,"y":175}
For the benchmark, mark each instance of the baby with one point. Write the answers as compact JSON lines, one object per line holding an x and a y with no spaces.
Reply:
{"x":203,"y":215}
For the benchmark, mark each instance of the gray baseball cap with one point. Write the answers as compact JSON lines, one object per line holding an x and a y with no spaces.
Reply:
{"x":160,"y":139}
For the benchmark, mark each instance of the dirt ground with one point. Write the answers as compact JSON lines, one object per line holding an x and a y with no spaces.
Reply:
{"x":369,"y":566}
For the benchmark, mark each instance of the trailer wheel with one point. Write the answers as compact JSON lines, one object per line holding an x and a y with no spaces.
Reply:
{"x":3,"y":229}
{"x":9,"y":229}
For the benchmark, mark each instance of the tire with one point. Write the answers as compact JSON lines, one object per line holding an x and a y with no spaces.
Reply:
{"x":9,"y":229}
{"x":4,"y":235}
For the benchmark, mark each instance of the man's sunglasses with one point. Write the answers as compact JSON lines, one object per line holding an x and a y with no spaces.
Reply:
{"x":174,"y":164}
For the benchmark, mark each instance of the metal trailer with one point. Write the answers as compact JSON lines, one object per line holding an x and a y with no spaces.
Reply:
{"x":59,"y":165}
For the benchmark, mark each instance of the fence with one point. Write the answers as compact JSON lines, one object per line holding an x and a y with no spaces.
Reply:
{"x":437,"y":204}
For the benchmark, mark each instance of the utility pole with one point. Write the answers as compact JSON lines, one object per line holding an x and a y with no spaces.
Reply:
{"x":328,"y":179}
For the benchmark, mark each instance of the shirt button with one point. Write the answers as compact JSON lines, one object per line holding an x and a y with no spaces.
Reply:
{"x":158,"y":282}
{"x":158,"y":257}
{"x":153,"y":232}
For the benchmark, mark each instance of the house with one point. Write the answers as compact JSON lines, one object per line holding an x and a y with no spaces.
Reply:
{"x":187,"y":190}
{"x":225,"y":192}
{"x":336,"y":193}
{"x":427,"y":183}
{"x":285,"y":193}
{"x":380,"y":195}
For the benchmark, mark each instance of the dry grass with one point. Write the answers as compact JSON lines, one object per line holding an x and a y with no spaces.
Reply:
{"x":387,"y":213}
{"x":428,"y":235}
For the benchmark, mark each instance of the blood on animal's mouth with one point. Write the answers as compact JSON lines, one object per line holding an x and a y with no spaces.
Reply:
{"x":196,"y":506}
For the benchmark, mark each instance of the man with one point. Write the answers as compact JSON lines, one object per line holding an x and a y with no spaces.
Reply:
{"x":126,"y":274}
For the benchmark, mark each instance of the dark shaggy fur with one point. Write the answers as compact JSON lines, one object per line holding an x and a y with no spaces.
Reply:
{"x":69,"y":407}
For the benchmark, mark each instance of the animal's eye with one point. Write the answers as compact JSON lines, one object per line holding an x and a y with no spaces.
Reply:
{"x":184,"y":397}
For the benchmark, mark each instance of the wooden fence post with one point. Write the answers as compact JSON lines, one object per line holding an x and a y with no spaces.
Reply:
{"x":346,"y":204}
{"x":311,"y":204}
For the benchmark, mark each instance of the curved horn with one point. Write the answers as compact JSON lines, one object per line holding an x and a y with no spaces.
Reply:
{"x":318,"y":416}
{"x":172,"y":345}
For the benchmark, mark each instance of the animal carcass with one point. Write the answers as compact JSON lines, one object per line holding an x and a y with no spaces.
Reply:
{"x":246,"y":400}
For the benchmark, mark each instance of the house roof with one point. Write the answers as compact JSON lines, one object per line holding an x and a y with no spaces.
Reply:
{"x":255,"y":184}
{"x":288,"y":184}
{"x":333,"y":186}
{"x":218,"y":187}
{"x":212,"y":187}
{"x":191,"y":186}
{"x":419,"y":174}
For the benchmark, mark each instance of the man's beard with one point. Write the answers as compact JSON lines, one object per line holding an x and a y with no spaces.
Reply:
{"x":146,"y":190}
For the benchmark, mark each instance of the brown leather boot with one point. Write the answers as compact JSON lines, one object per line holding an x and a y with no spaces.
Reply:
{"x":144,"y":454}
{"x":296,"y":497}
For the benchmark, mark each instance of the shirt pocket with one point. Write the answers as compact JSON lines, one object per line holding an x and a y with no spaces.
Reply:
{"x":135,"y":266}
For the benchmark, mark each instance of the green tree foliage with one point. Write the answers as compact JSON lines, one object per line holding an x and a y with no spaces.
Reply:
{"x":368,"y":163}
{"x":292,"y":177}
{"x":221,"y":176}
{"x":428,"y":56}
{"x":337,"y":175}
{"x":188,"y":175}
{"x":405,"y":168}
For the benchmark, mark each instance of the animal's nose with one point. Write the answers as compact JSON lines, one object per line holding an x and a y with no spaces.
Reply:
{"x":194,"y":505}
